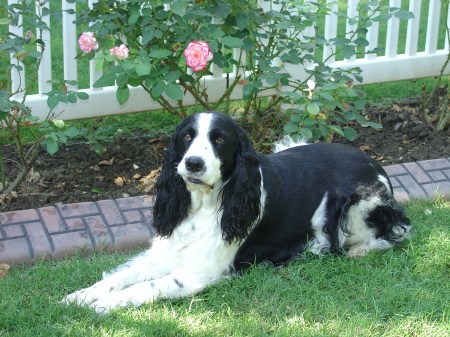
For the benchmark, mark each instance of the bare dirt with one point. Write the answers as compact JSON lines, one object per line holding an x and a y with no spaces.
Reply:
{"x":77,"y":174}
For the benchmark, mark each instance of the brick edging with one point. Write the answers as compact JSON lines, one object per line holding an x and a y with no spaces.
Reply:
{"x":53,"y":232}
{"x":57,"y":231}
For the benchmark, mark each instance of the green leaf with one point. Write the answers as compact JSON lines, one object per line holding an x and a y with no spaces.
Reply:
{"x":122,"y":80}
{"x":98,"y":148}
{"x":143,"y":69}
{"x":326,"y":96}
{"x":217,"y":34}
{"x":296,"y":118}
{"x":348,"y":52}
{"x":376,"y":126}
{"x":52,"y":146}
{"x":72,"y":132}
{"x":72,"y":98}
{"x":178,"y":7}
{"x":82,"y":95}
{"x":306,"y":133}
{"x":308,"y":121}
{"x":361,"y":42}
{"x":336,"y":129}
{"x":159,"y":53}
{"x":35,"y":53}
{"x":158,"y":89}
{"x":404,"y":15}
{"x":350,"y":134}
{"x":53,"y":101}
{"x":122,"y":94}
{"x":105,"y":81}
{"x":172,"y":76}
{"x":221,"y":8}
{"x":330,"y":86}
{"x":242,"y":20}
{"x":313,"y":109}
{"x":349,"y":115}
{"x":99,"y":64}
{"x":232,"y":42}
{"x":291,"y":127}
{"x":340,"y":41}
{"x":174,"y":91}
{"x":134,"y":17}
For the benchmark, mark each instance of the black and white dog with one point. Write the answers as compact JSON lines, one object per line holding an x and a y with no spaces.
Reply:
{"x":220,"y":207}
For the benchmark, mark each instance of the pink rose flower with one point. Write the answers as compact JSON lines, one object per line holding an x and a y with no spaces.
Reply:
{"x":121,"y":52}
{"x":197,"y":55}
{"x":87,"y":42}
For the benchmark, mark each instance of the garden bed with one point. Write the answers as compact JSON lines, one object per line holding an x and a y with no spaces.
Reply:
{"x":77,"y":174}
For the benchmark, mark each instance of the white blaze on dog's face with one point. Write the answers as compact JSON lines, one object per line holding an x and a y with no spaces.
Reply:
{"x":209,"y":147}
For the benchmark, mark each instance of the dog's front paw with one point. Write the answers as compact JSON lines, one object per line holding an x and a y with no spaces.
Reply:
{"x":119,"y":299}
{"x":85,"y":296}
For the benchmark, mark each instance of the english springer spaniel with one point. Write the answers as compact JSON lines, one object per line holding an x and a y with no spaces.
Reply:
{"x":220,"y":207}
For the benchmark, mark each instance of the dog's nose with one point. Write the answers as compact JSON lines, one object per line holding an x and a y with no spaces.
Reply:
{"x":195,"y":164}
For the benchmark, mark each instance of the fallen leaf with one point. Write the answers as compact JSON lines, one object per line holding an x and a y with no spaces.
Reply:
{"x":33,"y":177}
{"x":365,"y":148}
{"x":4,"y":267}
{"x":137,"y":176}
{"x":107,"y":162}
{"x":154,"y":140}
{"x":119,"y":181}
{"x":60,"y":186}
{"x":396,"y":107}
{"x":148,"y":181}
{"x":8,"y":197}
{"x":135,"y":166}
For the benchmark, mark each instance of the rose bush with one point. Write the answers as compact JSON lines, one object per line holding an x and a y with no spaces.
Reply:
{"x":255,"y":48}
{"x":22,"y":56}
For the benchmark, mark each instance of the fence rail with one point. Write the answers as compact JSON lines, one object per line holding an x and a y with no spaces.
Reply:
{"x":392,"y":66}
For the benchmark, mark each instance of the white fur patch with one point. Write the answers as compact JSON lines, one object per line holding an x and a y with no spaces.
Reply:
{"x":320,"y":242}
{"x":201,"y":147}
{"x":286,"y":143}
{"x":385,"y":181}
{"x":362,"y":238}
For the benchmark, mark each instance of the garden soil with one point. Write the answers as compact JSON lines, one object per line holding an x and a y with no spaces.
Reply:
{"x":129,"y":165}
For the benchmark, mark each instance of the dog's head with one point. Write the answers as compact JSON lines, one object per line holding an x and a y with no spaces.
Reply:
{"x":209,"y":143}
{"x":209,"y":151}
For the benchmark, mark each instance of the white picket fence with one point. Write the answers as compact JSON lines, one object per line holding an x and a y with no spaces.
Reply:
{"x":390,"y":67}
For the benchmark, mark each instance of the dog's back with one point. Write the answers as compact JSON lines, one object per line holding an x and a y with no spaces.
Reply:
{"x":332,"y":195}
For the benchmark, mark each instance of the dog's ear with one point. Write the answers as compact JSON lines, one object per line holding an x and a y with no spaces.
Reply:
{"x":172,"y":198}
{"x":241,"y":195}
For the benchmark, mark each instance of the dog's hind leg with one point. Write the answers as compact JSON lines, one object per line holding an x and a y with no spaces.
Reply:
{"x":374,"y":224}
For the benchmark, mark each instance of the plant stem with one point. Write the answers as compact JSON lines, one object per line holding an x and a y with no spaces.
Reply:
{"x":196,"y":96}
{"x":2,"y":166}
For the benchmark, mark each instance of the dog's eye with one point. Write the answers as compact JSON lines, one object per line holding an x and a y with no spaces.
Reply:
{"x":187,"y":137}
{"x":219,"y":140}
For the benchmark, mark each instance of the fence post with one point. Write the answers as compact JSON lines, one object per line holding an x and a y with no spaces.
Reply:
{"x":70,"y":42}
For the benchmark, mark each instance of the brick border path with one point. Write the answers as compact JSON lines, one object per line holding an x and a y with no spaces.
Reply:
{"x":123,"y":224}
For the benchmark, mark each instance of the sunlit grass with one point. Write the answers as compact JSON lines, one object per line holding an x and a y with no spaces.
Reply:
{"x":399,"y":292}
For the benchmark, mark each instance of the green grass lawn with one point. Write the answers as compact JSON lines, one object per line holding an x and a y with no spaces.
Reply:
{"x":400,"y":292}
